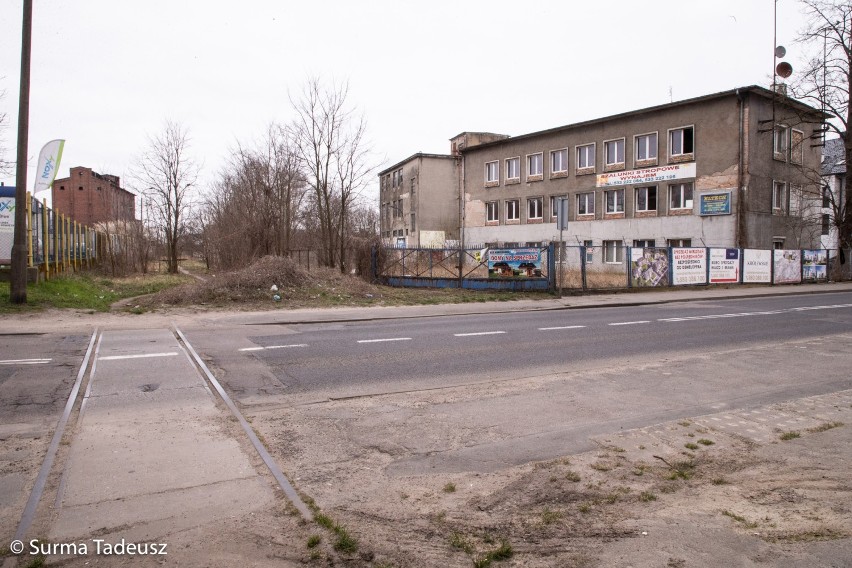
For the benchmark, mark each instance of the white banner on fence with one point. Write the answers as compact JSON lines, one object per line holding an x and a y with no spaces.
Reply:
{"x":757,"y":266}
{"x":788,"y":266}
{"x":724,"y":266}
{"x":689,"y":266}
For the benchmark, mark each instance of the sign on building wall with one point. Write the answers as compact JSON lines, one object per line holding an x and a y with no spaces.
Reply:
{"x":757,"y":266}
{"x":514,"y":263}
{"x":714,"y":203}
{"x":724,"y":266}
{"x":647,"y":175}
{"x":689,"y":266}
{"x":815,"y":265}
{"x":649,"y":267}
{"x":788,"y":266}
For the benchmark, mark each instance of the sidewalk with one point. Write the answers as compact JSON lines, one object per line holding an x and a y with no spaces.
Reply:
{"x":589,"y":300}
{"x":151,"y":453}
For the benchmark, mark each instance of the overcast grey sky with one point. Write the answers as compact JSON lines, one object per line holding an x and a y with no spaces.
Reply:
{"x":108,"y":73}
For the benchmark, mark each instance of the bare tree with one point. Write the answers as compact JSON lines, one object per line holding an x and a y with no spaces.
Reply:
{"x":329,"y":140}
{"x":826,"y":82}
{"x":254,"y":207}
{"x":166,"y":173}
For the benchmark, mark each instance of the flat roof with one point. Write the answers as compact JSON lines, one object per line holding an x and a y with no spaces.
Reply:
{"x":761,"y":91}
{"x":412,"y":157}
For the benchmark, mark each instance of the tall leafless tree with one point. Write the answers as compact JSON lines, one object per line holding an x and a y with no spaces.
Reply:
{"x":166,"y":173}
{"x":255,"y":206}
{"x":330,"y":141}
{"x":826,"y":82}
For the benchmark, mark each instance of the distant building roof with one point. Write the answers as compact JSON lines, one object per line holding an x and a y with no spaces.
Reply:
{"x":834,"y":157}
{"x":412,"y":157}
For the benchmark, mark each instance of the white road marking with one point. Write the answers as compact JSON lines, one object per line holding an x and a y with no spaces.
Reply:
{"x":562,"y":327}
{"x":141,"y":356}
{"x":273,"y":347}
{"x":383,"y":340}
{"x":766,"y":313}
{"x":630,"y":322}
{"x":25,"y":361}
{"x":478,"y":333}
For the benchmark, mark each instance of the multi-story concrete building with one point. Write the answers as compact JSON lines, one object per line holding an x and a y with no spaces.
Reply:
{"x":419,"y":201}
{"x":723,"y":170}
{"x":731,"y":169}
{"x":89,"y":197}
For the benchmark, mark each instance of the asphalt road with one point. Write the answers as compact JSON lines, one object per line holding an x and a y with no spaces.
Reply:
{"x":353,"y":359}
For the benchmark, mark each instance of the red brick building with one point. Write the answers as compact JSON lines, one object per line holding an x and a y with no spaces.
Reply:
{"x":89,"y":197}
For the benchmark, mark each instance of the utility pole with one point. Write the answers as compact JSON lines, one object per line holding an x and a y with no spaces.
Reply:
{"x":18,"y":276}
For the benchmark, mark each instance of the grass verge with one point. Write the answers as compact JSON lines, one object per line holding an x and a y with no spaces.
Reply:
{"x":86,"y":291}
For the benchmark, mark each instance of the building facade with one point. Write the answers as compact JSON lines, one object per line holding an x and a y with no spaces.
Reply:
{"x":733,"y":169}
{"x":89,"y":197}
{"x":419,"y":201}
{"x":738,"y":168}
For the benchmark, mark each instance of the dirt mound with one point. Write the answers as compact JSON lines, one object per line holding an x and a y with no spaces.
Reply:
{"x":247,"y":284}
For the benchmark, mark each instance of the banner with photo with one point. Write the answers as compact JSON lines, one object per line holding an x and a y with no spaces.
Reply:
{"x":689,"y":266}
{"x":815,"y":265}
{"x":787,"y":266}
{"x":649,"y":267}
{"x":514,"y":263}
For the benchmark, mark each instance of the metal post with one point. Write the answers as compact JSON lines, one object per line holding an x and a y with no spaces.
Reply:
{"x":29,"y":230}
{"x":46,"y":240}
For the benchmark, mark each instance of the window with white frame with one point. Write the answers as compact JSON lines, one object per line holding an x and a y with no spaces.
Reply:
{"x":779,"y":196}
{"x":681,"y":141}
{"x":492,"y":212}
{"x":680,"y":196}
{"x":646,"y":199}
{"x":613,"y":252}
{"x":535,"y":165}
{"x":586,"y":156}
{"x":780,"y":141}
{"x":586,"y":203}
{"x":644,"y":243}
{"x":513,"y":210}
{"x":590,"y":252}
{"x":513,"y":168}
{"x":614,"y":152}
{"x":559,"y":161}
{"x":534,"y":208}
{"x":614,"y":199}
{"x":492,"y":172}
{"x":646,"y":147}
{"x":679,"y":243}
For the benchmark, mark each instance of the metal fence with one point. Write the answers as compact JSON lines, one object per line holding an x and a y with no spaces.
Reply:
{"x":55,"y":243}
{"x":463,"y":268}
{"x":575,"y":268}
